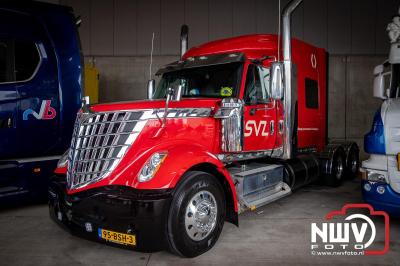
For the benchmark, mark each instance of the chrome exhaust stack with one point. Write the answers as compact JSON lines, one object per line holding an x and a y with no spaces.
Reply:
{"x":290,"y":88}
{"x":184,"y":39}
{"x":151,"y":87}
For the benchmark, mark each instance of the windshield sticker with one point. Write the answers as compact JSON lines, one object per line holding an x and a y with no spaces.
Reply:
{"x":226,"y":91}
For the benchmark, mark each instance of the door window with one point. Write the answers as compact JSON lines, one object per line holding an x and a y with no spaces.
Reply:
{"x":6,"y":62}
{"x":311,"y":94}
{"x":257,"y":85}
{"x":18,"y":60}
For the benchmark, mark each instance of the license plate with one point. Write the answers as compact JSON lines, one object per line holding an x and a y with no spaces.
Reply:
{"x":116,"y":237}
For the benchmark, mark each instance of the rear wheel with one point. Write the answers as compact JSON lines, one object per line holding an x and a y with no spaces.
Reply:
{"x":338,"y":166}
{"x":353,"y":162}
{"x":197,"y":214}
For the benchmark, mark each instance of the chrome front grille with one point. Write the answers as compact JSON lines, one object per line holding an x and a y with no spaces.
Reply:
{"x":231,"y":115}
{"x":99,"y":142}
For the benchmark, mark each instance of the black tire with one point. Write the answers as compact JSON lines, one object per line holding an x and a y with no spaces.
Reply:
{"x":193,"y":183}
{"x":337,"y":173}
{"x":353,"y":162}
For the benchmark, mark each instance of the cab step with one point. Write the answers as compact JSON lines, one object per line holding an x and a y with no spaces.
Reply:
{"x":12,"y":191}
{"x":258,"y":184}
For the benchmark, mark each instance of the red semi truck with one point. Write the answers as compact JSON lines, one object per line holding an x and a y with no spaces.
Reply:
{"x":232,"y":125}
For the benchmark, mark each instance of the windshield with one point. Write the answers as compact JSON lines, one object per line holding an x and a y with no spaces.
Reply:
{"x":217,"y":81}
{"x":395,"y":82}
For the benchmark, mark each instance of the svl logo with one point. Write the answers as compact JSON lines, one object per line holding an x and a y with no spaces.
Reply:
{"x":354,"y":234}
{"x":260,"y":129}
{"x":46,"y":112}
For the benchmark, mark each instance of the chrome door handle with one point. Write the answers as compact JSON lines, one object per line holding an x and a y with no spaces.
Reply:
{"x":6,"y":123}
{"x":280,"y":125}
{"x":272,"y":127}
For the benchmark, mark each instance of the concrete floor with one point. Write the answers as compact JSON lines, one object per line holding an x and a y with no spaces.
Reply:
{"x":278,"y":233}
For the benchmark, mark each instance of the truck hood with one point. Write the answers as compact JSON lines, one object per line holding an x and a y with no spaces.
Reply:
{"x":134,"y":136}
{"x":212,"y":103}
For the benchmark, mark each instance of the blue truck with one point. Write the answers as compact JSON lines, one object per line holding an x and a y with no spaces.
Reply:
{"x":41,"y":78}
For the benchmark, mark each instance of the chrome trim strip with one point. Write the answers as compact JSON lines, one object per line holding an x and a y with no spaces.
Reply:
{"x":19,"y":192}
{"x":307,"y":129}
{"x":33,"y":159}
{"x":242,"y":156}
{"x":277,"y":153}
{"x":172,"y":112}
{"x":183,"y":112}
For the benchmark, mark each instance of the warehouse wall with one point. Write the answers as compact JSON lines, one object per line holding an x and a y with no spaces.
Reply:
{"x":125,"y":78}
{"x":350,"y":102}
{"x":116,"y":38}
{"x":124,"y":27}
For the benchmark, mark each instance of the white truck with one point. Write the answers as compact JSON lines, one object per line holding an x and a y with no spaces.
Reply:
{"x":381,"y":172}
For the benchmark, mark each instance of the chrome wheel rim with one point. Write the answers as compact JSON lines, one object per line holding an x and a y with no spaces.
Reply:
{"x":201,"y":215}
{"x":339,"y":168}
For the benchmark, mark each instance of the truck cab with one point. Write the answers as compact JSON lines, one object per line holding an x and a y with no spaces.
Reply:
{"x":233,"y":125}
{"x":381,"y":171}
{"x":223,"y":69}
{"x":40,"y":92}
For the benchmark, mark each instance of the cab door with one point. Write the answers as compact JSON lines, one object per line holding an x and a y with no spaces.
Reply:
{"x":8,"y":102}
{"x":39,"y":102}
{"x":32,"y":88}
{"x":259,"y":111}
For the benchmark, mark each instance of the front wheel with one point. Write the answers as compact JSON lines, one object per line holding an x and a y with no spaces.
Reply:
{"x":197,"y":214}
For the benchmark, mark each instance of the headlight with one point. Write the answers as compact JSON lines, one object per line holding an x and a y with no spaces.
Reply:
{"x":380,"y":189}
{"x":151,"y":167}
{"x":63,"y":160}
{"x":375,"y":177}
{"x":367,"y":187}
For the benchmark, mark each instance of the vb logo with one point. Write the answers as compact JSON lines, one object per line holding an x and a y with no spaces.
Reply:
{"x":46,"y":112}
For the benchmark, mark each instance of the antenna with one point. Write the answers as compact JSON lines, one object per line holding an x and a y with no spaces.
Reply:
{"x":152,"y":83}
{"x":151,"y":55}
{"x":279,"y":27}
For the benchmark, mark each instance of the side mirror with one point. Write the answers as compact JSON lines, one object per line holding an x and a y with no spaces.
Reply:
{"x":276,"y":80}
{"x":151,"y":88}
{"x":253,"y":100}
{"x":85,"y":100}
{"x":380,"y":82}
